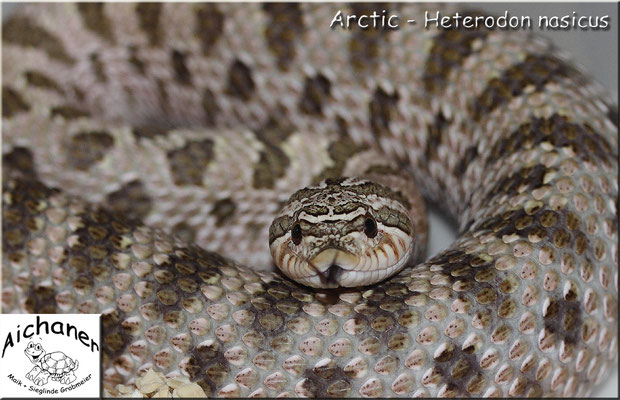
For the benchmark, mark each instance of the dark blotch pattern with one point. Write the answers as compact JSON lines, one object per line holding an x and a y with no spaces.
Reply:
{"x":272,"y":161}
{"x":450,"y":49}
{"x":68,"y":112}
{"x":339,"y":151}
{"x":184,"y":232}
{"x":189,"y":163}
{"x":560,"y":132}
{"x":365,"y":44}
{"x":20,"y":160}
{"x":316,"y":93}
{"x":470,"y":155}
{"x":459,"y":368}
{"x":87,"y":148}
{"x":21,"y":31}
{"x":271,"y":165}
{"x":149,"y":19}
{"x":98,"y":68}
{"x":528,"y":177}
{"x":163,"y":95}
{"x":210,"y":107}
{"x":284,"y":29}
{"x":223,"y":210}
{"x":149,"y":131}
{"x":41,"y":80}
{"x":240,"y":81}
{"x":435,"y":135}
{"x":535,"y":71}
{"x":181,"y":72}
{"x":135,"y":60}
{"x":382,"y":108}
{"x":563,"y":318}
{"x":612,"y":114}
{"x":18,"y":227}
{"x":209,"y":25}
{"x":94,"y":19}
{"x":131,"y":200}
{"x":12,"y":102}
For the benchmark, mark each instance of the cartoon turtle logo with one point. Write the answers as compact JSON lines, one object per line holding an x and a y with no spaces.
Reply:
{"x":54,"y":365}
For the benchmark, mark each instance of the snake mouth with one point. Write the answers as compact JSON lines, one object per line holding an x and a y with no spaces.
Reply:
{"x":335,"y":267}
{"x":332,"y":274}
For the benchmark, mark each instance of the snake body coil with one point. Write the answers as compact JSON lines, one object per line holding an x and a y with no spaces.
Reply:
{"x":201,"y":119}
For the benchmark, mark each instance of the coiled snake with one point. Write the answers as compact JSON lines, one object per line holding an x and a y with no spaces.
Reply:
{"x":202,"y":119}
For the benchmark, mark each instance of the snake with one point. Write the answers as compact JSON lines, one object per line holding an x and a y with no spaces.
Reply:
{"x":148,"y":147}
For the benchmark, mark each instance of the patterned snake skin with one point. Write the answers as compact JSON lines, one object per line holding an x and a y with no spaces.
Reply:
{"x":202,"y":119}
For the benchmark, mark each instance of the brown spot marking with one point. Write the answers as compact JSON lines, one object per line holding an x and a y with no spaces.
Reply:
{"x":535,"y":71}
{"x":94,"y":19}
{"x":12,"y":102}
{"x":339,"y":151}
{"x":271,"y":165}
{"x":470,"y":155}
{"x":612,"y":114}
{"x":316,"y":92}
{"x":382,"y":108}
{"x":529,"y":178}
{"x":87,"y":148}
{"x":564,"y":319}
{"x":98,"y":68}
{"x":209,"y":25}
{"x":41,"y":300}
{"x":135,"y":60}
{"x":149,"y":19}
{"x":365,"y":44}
{"x":189,"y":163}
{"x":240,"y":81}
{"x":208,"y":366}
{"x":131,"y":200}
{"x":210,"y":107}
{"x":41,"y":80}
{"x":184,"y":232}
{"x":181,"y":71}
{"x":23,"y":32}
{"x":21,"y":160}
{"x":559,"y":132}
{"x":541,"y":224}
{"x":68,"y":112}
{"x":223,"y":210}
{"x":149,"y":131}
{"x":95,"y":242}
{"x":272,"y":161}
{"x":19,"y":226}
{"x":284,"y":29}
{"x":78,"y":93}
{"x":435,"y":135}
{"x":163,"y":95}
{"x":450,"y":49}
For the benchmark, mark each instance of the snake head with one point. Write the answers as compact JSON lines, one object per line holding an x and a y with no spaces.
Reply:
{"x":343,"y":232}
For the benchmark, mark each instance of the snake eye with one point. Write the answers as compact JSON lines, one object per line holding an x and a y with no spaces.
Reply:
{"x":370,"y":227}
{"x":296,"y":234}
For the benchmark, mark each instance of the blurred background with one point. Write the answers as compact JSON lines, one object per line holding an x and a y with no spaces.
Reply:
{"x":596,"y":51}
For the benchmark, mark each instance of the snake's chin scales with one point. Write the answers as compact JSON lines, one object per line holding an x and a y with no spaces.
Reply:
{"x":154,"y":157}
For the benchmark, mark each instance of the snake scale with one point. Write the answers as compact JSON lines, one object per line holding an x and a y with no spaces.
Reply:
{"x":202,"y":119}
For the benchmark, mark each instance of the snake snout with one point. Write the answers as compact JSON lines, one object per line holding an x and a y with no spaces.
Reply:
{"x":332,"y":274}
